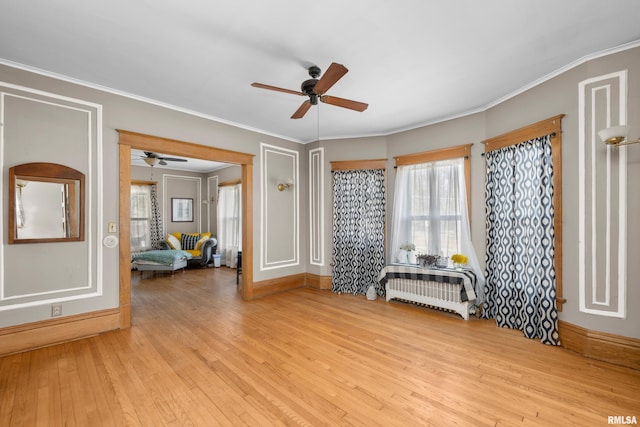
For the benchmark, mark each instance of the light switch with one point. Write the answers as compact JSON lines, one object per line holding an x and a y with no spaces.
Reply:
{"x":112,"y":227}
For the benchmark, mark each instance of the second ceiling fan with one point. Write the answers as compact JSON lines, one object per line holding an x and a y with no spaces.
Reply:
{"x":315,"y":89}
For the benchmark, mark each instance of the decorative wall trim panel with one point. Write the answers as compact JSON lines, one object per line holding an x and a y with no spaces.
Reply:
{"x":212,"y":201}
{"x":316,"y":206}
{"x":87,"y":134}
{"x":602,"y":197}
{"x":279,"y":210}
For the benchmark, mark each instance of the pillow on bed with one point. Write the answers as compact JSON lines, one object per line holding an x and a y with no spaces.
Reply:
{"x":173,"y":242}
{"x":189,"y":241}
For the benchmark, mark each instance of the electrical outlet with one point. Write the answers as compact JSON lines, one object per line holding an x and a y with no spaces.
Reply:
{"x":56,"y":310}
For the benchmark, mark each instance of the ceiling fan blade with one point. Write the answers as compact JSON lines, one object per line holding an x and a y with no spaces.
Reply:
{"x":330,"y":77}
{"x":172,"y":159}
{"x":300,"y":112}
{"x":278,"y":89}
{"x":345,"y":103}
{"x":163,"y":163}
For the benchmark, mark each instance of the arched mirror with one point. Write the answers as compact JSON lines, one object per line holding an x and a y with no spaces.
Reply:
{"x":46,"y":204}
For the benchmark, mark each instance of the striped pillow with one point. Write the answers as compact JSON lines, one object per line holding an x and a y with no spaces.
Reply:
{"x":189,"y":241}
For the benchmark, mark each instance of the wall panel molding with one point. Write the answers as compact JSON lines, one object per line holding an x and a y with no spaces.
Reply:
{"x":316,"y":206}
{"x":602,"y":197}
{"x":279,"y":210}
{"x":212,"y":201}
{"x":49,"y":113}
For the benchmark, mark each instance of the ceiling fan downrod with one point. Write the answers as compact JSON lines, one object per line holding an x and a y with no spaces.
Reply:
{"x":308,"y":85}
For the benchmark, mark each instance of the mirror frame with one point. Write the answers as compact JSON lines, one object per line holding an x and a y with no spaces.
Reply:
{"x":45,"y":172}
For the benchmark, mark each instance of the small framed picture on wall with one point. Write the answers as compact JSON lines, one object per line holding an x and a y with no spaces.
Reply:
{"x":181,"y":210}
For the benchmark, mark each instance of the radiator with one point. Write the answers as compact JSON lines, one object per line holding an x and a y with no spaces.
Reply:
{"x":445,"y":296}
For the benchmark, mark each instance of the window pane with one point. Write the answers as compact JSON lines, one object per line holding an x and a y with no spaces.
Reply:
{"x":140,"y":218}
{"x":140,"y":235}
{"x":435,"y":207}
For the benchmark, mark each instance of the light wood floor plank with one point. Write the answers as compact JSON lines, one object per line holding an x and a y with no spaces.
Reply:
{"x":198,"y":355}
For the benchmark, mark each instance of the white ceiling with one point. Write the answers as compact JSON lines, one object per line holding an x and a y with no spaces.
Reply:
{"x":415,"y":62}
{"x":191,"y":165}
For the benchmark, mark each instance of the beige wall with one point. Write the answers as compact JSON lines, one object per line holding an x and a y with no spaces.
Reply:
{"x":558,"y":95}
{"x":117,"y":112}
{"x":337,"y":150}
{"x":181,"y":184}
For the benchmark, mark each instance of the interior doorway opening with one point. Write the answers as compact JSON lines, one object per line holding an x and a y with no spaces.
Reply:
{"x":129,"y":140}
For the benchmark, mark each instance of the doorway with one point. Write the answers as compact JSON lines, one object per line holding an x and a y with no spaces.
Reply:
{"x":129,"y":140}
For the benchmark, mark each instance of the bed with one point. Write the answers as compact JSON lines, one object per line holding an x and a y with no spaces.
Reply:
{"x":161,"y":260}
{"x":443,"y":288}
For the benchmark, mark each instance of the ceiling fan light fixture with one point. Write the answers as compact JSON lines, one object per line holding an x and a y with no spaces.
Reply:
{"x":151,"y":161}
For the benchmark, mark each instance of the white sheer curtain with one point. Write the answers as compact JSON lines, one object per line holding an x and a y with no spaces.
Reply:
{"x":140,"y":218}
{"x":230,"y":223}
{"x":430,"y":211}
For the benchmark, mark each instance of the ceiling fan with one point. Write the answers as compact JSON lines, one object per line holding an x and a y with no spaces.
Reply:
{"x":153,"y":159}
{"x":315,"y":89}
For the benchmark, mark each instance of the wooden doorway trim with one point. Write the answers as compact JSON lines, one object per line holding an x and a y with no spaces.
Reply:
{"x":129,"y":140}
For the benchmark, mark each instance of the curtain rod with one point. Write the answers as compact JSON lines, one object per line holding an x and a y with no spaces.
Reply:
{"x":464,"y":157}
{"x":551,"y":135}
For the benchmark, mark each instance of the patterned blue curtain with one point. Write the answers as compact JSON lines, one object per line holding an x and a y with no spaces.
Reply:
{"x":155,"y":223}
{"x":358,"y":230}
{"x":520,"y":284}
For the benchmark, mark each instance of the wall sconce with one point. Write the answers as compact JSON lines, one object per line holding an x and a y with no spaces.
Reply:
{"x":616,"y":135}
{"x":285,"y":185}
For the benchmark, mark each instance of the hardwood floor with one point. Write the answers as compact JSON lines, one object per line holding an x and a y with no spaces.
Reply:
{"x":199,"y":355}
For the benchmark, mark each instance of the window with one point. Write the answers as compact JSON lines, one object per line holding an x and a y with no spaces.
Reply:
{"x":230,"y":222}
{"x":433,"y":206}
{"x":140,"y":218}
{"x":431,"y":202}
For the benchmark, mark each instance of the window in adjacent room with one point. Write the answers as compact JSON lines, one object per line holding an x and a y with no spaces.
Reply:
{"x":230,"y":222}
{"x":140,"y":218}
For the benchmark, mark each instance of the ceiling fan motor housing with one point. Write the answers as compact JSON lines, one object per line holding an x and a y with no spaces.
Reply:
{"x":307,"y":87}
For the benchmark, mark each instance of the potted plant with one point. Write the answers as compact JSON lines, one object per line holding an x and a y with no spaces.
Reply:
{"x":407,"y":253}
{"x":459,"y":261}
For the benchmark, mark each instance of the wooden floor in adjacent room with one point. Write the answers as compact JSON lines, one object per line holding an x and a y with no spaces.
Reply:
{"x":199,"y":355}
